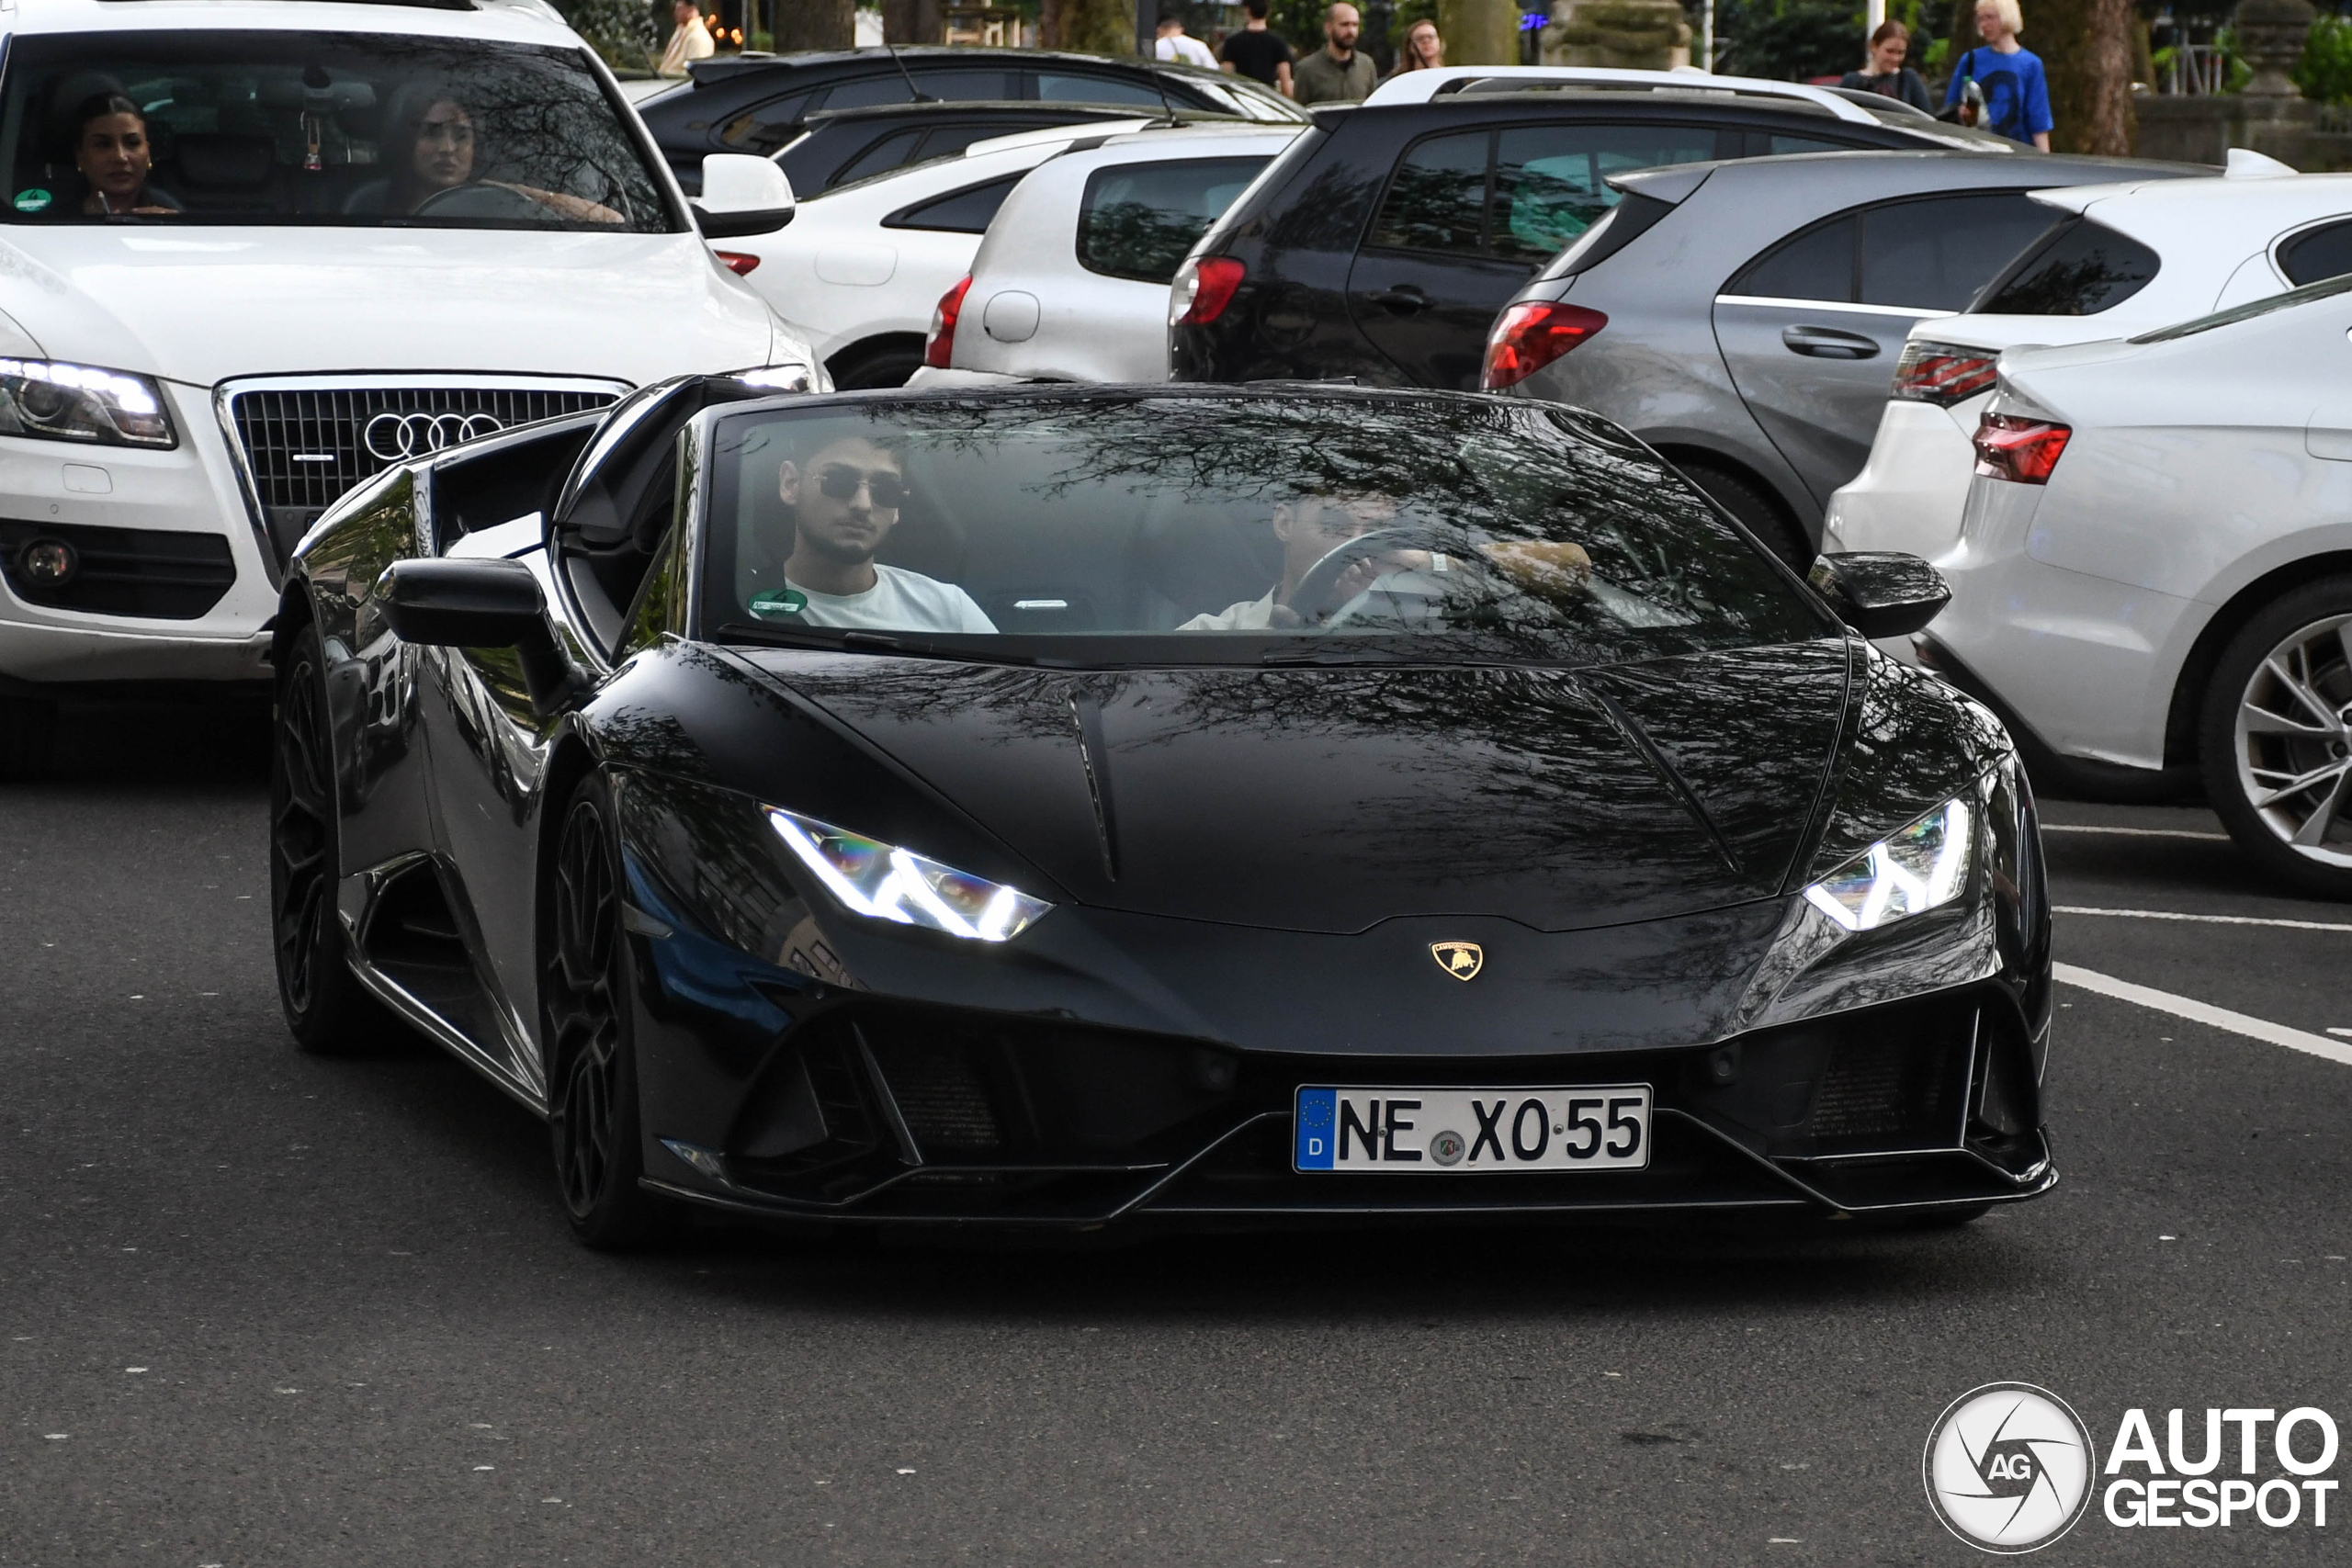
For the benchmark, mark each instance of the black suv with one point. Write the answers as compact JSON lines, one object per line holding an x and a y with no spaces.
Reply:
{"x":1382,"y":243}
{"x":843,"y":145}
{"x":758,"y":103}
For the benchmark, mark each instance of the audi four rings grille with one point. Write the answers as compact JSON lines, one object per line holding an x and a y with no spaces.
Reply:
{"x":305,"y":447}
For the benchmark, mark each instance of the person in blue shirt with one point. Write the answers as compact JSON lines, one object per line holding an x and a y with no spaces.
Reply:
{"x":2016,"y":94}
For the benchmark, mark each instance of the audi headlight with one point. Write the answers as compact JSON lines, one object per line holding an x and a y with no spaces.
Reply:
{"x":57,"y":402}
{"x":1904,"y":873}
{"x":869,"y":877}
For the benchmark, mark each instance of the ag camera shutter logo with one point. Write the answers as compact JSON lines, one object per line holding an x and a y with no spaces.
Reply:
{"x":2009,"y":1467}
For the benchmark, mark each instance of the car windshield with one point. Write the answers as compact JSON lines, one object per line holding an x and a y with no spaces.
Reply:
{"x":333,"y":129}
{"x":1226,"y":529}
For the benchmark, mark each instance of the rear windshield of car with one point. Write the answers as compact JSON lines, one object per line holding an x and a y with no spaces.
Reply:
{"x":320,"y":128}
{"x":2081,"y":269}
{"x":1137,"y":221}
{"x":1222,"y":530}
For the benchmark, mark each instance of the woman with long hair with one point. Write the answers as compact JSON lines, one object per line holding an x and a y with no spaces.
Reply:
{"x":114,"y":156}
{"x":1423,"y":50}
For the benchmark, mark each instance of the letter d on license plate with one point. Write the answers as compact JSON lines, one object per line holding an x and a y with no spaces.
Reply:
{"x":1425,"y":1132}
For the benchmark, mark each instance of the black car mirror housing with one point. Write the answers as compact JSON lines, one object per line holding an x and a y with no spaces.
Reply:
{"x":480,"y":604}
{"x":1881,"y":593}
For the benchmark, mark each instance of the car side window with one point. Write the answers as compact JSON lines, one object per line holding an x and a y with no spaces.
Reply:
{"x":765,"y":127}
{"x":1138,"y":219}
{"x":1437,"y":198}
{"x":2080,"y":270}
{"x":965,"y":212}
{"x":1817,"y":264}
{"x":1935,"y":255}
{"x":889,"y":152}
{"x":1550,"y":180}
{"x":963,"y":84}
{"x":946,"y":140}
{"x":1775,"y":144}
{"x":2323,"y":252}
{"x":868,"y":91}
{"x":1066,"y":88}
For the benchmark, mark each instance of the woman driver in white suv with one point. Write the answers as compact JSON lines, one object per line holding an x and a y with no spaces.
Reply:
{"x":114,"y":156}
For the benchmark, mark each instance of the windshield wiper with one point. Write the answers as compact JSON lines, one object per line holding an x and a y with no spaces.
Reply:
{"x":851,"y":641}
{"x":1310,"y":657}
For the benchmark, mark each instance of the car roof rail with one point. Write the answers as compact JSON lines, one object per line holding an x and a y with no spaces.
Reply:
{"x":1423,"y":87}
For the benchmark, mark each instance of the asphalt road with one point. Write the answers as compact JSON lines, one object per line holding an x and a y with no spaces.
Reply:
{"x":258,"y":1308}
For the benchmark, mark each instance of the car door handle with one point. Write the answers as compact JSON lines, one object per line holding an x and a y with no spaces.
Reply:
{"x":1404,"y":300}
{"x":1828,"y":343}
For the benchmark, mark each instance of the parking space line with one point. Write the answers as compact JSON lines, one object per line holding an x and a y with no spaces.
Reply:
{"x":2134,"y":832}
{"x":2203,"y":919}
{"x":2205,"y":1013}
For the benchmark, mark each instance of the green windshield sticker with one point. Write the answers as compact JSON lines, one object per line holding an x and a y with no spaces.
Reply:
{"x":778,"y":603}
{"x":35,"y":200}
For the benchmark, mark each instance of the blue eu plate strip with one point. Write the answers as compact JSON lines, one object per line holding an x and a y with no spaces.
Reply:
{"x":1318,"y":1110}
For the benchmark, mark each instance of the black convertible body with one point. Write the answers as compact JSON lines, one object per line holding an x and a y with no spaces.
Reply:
{"x":1526,"y":841}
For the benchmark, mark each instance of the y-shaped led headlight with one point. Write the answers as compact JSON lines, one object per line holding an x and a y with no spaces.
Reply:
{"x":57,"y":402}
{"x":1922,"y":866}
{"x":890,"y":884}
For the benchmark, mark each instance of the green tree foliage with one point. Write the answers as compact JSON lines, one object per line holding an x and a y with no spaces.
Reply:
{"x":1788,"y":40}
{"x":620,"y":31}
{"x":2324,"y":73}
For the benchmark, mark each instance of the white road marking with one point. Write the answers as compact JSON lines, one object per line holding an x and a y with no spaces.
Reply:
{"x":2206,"y":1013}
{"x":2134,"y":832}
{"x":2205,"y":920}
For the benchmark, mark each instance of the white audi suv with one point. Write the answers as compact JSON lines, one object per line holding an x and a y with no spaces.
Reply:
{"x":253,"y":252}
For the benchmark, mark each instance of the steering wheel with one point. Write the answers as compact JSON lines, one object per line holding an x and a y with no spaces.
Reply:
{"x":495,"y":203}
{"x":1317,"y":597}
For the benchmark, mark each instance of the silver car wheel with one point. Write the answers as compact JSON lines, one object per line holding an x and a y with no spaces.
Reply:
{"x":2294,"y":742}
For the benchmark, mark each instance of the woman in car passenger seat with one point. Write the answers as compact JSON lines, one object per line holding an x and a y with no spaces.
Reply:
{"x":431,"y":148}
{"x":111,"y":150}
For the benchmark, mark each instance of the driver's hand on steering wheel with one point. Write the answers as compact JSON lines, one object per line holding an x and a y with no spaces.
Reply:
{"x":1372,"y":569}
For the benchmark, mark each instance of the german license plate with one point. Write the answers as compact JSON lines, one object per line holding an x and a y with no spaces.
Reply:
{"x":1422,"y":1131}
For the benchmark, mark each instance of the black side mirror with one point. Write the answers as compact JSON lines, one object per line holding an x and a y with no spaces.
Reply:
{"x":480,"y":604}
{"x":1881,"y":593}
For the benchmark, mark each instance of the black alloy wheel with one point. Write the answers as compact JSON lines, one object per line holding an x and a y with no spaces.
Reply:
{"x":2275,"y":738}
{"x":585,"y":993}
{"x":326,"y":1008}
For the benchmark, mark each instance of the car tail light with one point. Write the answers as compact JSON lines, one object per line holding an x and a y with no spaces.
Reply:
{"x":939,"y":351}
{"x":1528,"y":337}
{"x":739,"y":262}
{"x":2011,"y":446}
{"x":1943,"y":375}
{"x":1203,"y":290}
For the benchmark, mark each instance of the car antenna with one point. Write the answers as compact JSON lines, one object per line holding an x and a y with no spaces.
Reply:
{"x":1160,"y":82}
{"x":921,"y":97}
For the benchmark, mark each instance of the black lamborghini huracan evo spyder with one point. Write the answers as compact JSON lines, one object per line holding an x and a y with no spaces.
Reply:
{"x":1054,"y":806}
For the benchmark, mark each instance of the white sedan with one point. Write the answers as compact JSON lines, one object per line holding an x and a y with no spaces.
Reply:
{"x":1071,"y":283}
{"x":862,"y":265}
{"x":2154,"y":565}
{"x":2121,"y":259}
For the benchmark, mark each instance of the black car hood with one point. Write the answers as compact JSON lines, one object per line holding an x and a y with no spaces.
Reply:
{"x":1331,"y":799}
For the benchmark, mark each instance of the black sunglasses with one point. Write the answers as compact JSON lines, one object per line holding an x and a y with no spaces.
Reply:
{"x":842,"y":482}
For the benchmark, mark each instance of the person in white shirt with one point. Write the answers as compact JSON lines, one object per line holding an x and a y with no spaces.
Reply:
{"x":1172,"y":44}
{"x":1310,"y":528}
{"x":845,"y":501}
{"x":691,"y":40}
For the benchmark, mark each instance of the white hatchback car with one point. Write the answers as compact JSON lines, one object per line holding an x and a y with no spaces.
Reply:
{"x":2119,"y":260}
{"x":256,"y":250}
{"x":1071,"y":283}
{"x":2154,"y":568}
{"x":863,"y":264}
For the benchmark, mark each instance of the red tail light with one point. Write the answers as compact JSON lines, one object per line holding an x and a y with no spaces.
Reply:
{"x":939,"y":352}
{"x":1940,"y":374}
{"x":1528,"y":337}
{"x":739,"y":262}
{"x":2010,"y":446}
{"x":1201,"y":291}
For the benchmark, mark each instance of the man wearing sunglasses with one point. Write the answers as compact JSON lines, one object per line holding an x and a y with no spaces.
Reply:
{"x":845,"y":499}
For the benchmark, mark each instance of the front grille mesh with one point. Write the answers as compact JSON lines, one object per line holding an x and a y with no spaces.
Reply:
{"x":306,"y":446}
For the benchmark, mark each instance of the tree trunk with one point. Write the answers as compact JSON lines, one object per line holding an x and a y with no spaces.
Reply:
{"x":815,"y":24}
{"x":911,"y":21}
{"x":1096,"y":27}
{"x":1480,"y":32}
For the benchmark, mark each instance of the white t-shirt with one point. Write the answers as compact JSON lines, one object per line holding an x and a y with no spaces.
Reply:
{"x":1249,"y":615}
{"x":899,"y":600}
{"x":1190,"y":51}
